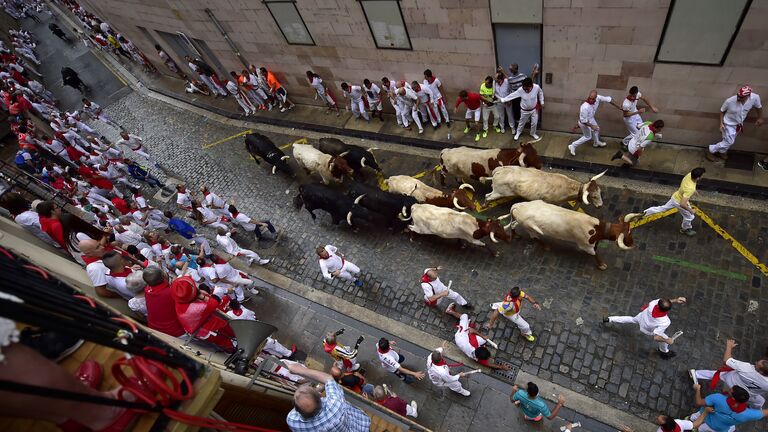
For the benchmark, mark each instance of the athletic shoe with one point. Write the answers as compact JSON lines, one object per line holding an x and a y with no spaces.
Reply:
{"x":689,"y":232}
{"x":358,"y":283}
{"x":710,"y":157}
{"x":606,"y":320}
{"x":477,"y":137}
{"x":464,"y":392}
{"x":534,"y":136}
{"x":254,"y":291}
{"x":529,"y":338}
{"x":498,"y":130}
{"x":466,"y":129}
{"x":763,"y":165}
{"x":283,"y":109}
{"x":485,"y":134}
{"x":667,"y":355}
{"x":599,"y":144}
{"x":421,"y":131}
{"x":263,"y":261}
{"x":415,"y":409}
{"x":503,"y":131}
{"x":517,"y":136}
{"x":572,"y":149}
{"x":616,"y":155}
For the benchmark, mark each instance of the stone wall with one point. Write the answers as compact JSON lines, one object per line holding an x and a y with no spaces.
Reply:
{"x":605,"y":44}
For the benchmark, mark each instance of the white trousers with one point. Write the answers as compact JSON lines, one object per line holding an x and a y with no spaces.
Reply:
{"x":587,"y":133}
{"x":687,"y":216}
{"x":454,"y":385}
{"x":276,"y":348}
{"x":405,"y":110}
{"x":239,"y":282}
{"x":108,"y":120}
{"x":212,"y":85}
{"x":663,"y":346}
{"x":349,"y":271}
{"x":521,"y":324}
{"x":245,"y":104}
{"x":358,"y":108}
{"x":505,"y":109}
{"x":453,"y":296}
{"x":251,"y":255}
{"x":486,"y":111}
{"x":257,"y":96}
{"x":632,"y":127}
{"x":439,"y":107}
{"x":427,"y":110}
{"x":525,"y":117}
{"x":398,"y":114}
{"x":217,"y":224}
{"x":729,"y":137}
{"x":755,"y":400}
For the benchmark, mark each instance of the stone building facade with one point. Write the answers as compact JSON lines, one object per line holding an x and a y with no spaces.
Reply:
{"x":609,"y":45}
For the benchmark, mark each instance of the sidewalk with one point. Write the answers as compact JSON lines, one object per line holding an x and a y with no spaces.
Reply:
{"x":663,"y":163}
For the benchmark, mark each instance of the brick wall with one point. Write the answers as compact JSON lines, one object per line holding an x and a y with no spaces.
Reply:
{"x":604,"y":44}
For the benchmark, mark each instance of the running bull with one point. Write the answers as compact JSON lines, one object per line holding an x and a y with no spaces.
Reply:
{"x":357,"y":157}
{"x":532,"y":185}
{"x":315,"y":196}
{"x":548,"y":221}
{"x":262,"y":147}
{"x":406,"y":185}
{"x":466,"y":162}
{"x":329,"y":167}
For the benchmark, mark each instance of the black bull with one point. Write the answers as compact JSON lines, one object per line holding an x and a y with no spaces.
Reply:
{"x":315,"y":196}
{"x":262,"y":147}
{"x":357,"y":157}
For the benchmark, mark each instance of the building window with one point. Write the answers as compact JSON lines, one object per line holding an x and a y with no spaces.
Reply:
{"x":700,"y":31}
{"x":290,"y":22}
{"x":385,"y":19}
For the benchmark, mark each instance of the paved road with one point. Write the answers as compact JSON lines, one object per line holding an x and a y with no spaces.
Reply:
{"x":617,"y":366}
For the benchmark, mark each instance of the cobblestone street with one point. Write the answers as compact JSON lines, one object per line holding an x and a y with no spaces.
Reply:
{"x":613,"y":365}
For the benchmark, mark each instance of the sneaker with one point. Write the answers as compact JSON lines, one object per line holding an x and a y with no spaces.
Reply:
{"x":421,"y":131}
{"x":606,"y":320}
{"x":498,"y":130}
{"x":529,"y":338}
{"x":485,"y":134}
{"x":263,"y":261}
{"x":572,"y":149}
{"x":477,"y":137}
{"x":283,"y":109}
{"x":689,"y":232}
{"x":667,"y":355}
{"x":536,"y":137}
{"x":763,"y":165}
{"x":599,"y":144}
{"x":414,"y":408}
{"x":503,"y":131}
{"x":464,"y":392}
{"x":253,"y":291}
{"x":517,"y":136}
{"x":710,"y":157}
{"x":450,"y":307}
{"x":358,"y":283}
{"x":466,"y":129}
{"x":617,"y":155}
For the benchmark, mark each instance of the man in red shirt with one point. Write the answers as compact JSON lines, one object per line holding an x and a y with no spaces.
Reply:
{"x":50,"y":223}
{"x":472,"y":101}
{"x":384,"y":397}
{"x":199,"y":313}
{"x":161,"y":307}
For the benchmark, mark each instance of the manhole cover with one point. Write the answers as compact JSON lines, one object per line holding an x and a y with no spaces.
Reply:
{"x":506,"y":375}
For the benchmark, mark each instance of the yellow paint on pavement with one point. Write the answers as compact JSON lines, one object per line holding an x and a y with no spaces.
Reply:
{"x":423,"y":173}
{"x":112,"y":69}
{"x":734,"y":243}
{"x":651,"y":218}
{"x":223,"y":140}
{"x":298,"y":141}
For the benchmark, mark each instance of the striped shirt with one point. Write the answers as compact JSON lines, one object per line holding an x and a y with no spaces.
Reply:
{"x":516,"y":81}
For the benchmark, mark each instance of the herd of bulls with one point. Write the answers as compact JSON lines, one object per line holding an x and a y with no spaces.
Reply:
{"x":410,"y":204}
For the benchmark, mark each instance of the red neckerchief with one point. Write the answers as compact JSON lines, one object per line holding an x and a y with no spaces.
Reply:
{"x":736,"y":407}
{"x":178,"y":256}
{"x":380,"y":351}
{"x":123,"y":273}
{"x":234,"y":215}
{"x":425,"y":278}
{"x":237,"y":312}
{"x":206,"y":193}
{"x":591,"y":103}
{"x":631,"y":98}
{"x":431,"y":79}
{"x":656,"y":312}
{"x":440,"y":363}
{"x":653,"y":129}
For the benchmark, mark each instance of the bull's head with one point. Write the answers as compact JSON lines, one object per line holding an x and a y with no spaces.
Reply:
{"x":370,"y":162}
{"x":624,"y":228}
{"x":492,"y":228}
{"x":590,"y":191}
{"x":460,"y":198}
{"x":339,"y":167}
{"x":529,"y":157}
{"x":282,"y":165}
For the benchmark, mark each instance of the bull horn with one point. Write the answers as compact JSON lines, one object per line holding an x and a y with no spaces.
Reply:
{"x":584,"y":196}
{"x":274,"y":169}
{"x":632,"y":216}
{"x":598,"y":176}
{"x":349,"y":218}
{"x":362,"y":161}
{"x":285,"y":158}
{"x":620,"y":242}
{"x":344,"y":154}
{"x":467,"y":186}
{"x":372,"y":149}
{"x":456,"y":204}
{"x":504,"y":217}
{"x":357,"y":200}
{"x":493,"y":237}
{"x":403,"y":218}
{"x":521,"y":160}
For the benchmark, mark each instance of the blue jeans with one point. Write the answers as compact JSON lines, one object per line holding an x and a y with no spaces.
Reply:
{"x":408,"y":379}
{"x":270,"y":227}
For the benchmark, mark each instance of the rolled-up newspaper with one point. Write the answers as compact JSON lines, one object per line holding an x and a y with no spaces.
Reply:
{"x":677,"y":335}
{"x":472,"y":372}
{"x":492,"y":343}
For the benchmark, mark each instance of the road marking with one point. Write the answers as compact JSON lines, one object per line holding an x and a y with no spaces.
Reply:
{"x":734,"y":243}
{"x":651,"y":218}
{"x":229,"y":138}
{"x":423,"y":173}
{"x":111,"y":69}
{"x":701,"y":267}
{"x":573,"y":205}
{"x":298,"y":141}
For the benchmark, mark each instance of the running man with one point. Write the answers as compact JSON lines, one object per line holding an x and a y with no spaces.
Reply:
{"x":681,"y":201}
{"x":510,"y":308}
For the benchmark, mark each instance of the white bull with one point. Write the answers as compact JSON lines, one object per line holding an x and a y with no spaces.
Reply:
{"x":451,"y":224}
{"x":547,"y":221}
{"x":410,"y":186}
{"x":330,"y":168}
{"x":532,"y":184}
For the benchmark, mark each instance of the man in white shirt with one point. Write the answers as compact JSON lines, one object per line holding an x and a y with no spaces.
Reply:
{"x":438,"y":102}
{"x":653,"y":321}
{"x":632,"y":119}
{"x":753,"y":378}
{"x":117,"y":272}
{"x":355,"y":95}
{"x":589,"y":127}
{"x":471,"y":342}
{"x":408,"y":103}
{"x":389,"y":88}
{"x":225,"y":240}
{"x":531,"y":100}
{"x":135,"y":144}
{"x":229,"y":276}
{"x":501,"y":89}
{"x":250,"y":225}
{"x":373,"y":95}
{"x":392,"y":360}
{"x":434,"y":289}
{"x":97,"y":113}
{"x":426,"y":107}
{"x":213,"y":202}
{"x":733,"y":113}
{"x":440,"y":373}
{"x":183,"y":198}
{"x":333,"y":265}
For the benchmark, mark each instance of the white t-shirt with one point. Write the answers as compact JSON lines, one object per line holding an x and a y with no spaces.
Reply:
{"x":213,"y":200}
{"x":745,"y":376}
{"x":317,"y":84}
{"x":97,"y":272}
{"x":245,"y":222}
{"x":372,"y":93}
{"x":355,"y":93}
{"x":133,"y":142}
{"x":183,"y":199}
{"x":30,"y":221}
{"x":736,"y":112}
{"x":631,"y":106}
{"x":330,"y":264}
{"x":462,"y":338}
{"x":434,"y":86}
{"x":228,"y":244}
{"x":425,"y":95}
{"x":409,"y":98}
{"x":651,"y":325}
{"x":433,"y":287}
{"x":208,"y":273}
{"x":389,"y":360}
{"x":246,"y":314}
{"x":685,"y":425}
{"x":587,"y":111}
{"x":440,"y":375}
{"x":527,"y":100}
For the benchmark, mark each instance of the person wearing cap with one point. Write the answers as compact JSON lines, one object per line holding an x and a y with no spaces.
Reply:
{"x":653,"y":320}
{"x":733,"y":113}
{"x":589,"y":128}
{"x":200,"y":315}
{"x":510,"y":309}
{"x":471,"y":342}
{"x":434,"y":289}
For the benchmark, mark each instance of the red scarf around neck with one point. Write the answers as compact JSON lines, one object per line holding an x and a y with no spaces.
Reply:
{"x":736,"y":407}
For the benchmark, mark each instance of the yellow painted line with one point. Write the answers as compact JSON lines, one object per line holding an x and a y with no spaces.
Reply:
{"x":111,"y":69}
{"x":229,"y":138}
{"x":423,"y":173}
{"x":298,"y":141}
{"x":496,"y":203}
{"x":734,"y":243}
{"x":380,"y":180}
{"x":573,"y":205}
{"x":651,"y":218}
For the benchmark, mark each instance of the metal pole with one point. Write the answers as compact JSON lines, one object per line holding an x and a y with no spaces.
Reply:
{"x":224,"y":34}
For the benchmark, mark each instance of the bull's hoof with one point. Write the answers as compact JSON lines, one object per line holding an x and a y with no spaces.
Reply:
{"x":602,"y":266}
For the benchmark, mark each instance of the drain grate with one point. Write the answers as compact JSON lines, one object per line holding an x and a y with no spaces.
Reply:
{"x":506,"y":375}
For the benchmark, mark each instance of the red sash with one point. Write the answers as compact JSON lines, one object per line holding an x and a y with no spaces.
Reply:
{"x":425,"y":279}
{"x":716,"y":377}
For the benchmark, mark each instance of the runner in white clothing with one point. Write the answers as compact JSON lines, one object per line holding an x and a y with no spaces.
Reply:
{"x":97,"y":113}
{"x":587,"y":122}
{"x":733,"y":113}
{"x":440,"y":373}
{"x":333,"y":265}
{"x":471,"y":342}
{"x":408,"y":103}
{"x":225,"y":240}
{"x":753,"y":378}
{"x":355,"y":95}
{"x":426,"y":106}
{"x":251,"y":225}
{"x":214,"y":202}
{"x":322,"y":92}
{"x":391,"y":361}
{"x":240,"y":96}
{"x":632,"y":119}
{"x":438,"y":102}
{"x":653,"y":321}
{"x":531,"y":100}
{"x":435,"y":289}
{"x":389,"y":88}
{"x":373,"y":95}
{"x":501,"y":89}
{"x":136,"y":145}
